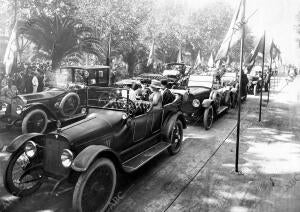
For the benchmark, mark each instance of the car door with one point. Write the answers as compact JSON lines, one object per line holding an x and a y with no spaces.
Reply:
{"x":140,"y":127}
{"x":156,"y":117}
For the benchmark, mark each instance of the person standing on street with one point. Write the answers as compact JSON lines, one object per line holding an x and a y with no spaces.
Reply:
{"x":35,"y":82}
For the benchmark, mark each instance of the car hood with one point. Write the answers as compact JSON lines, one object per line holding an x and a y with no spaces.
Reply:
{"x":32,"y":97}
{"x":98,"y":123}
{"x":198,"y":90}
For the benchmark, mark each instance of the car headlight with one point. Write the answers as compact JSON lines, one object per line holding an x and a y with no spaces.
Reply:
{"x":66,"y":158}
{"x":3,"y":107}
{"x":83,"y":110}
{"x":30,"y":149}
{"x":19,"y":109}
{"x":196,"y":103}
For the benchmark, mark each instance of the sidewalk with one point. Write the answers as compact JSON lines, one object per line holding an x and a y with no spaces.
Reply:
{"x":269,"y":162}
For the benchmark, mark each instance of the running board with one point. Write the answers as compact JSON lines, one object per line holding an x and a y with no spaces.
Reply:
{"x":221,"y":109}
{"x":142,"y":158}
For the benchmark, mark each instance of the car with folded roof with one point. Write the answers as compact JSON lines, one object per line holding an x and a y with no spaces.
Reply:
{"x":117,"y":136}
{"x":63,"y":99}
{"x":205,"y":99}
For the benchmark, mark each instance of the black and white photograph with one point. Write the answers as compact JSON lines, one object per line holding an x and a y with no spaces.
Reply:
{"x":149,"y":106}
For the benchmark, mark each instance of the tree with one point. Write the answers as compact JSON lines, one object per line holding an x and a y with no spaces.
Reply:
{"x":58,"y":36}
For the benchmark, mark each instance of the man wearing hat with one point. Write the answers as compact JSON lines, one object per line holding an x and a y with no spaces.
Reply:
{"x":35,"y":81}
{"x":167,"y":96}
{"x":156,"y":98}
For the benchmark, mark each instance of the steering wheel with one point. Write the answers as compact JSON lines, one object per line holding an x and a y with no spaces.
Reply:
{"x":131,"y":105}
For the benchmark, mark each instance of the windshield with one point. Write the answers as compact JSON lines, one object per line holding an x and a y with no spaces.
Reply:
{"x":64,"y":78}
{"x":108,"y":98}
{"x":200,"y":81}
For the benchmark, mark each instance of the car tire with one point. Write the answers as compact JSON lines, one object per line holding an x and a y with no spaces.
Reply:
{"x":63,"y":102}
{"x":176,"y":138}
{"x":29,"y":120}
{"x":87,"y":192}
{"x":228,"y":99}
{"x":8,"y":176}
{"x":208,"y":117}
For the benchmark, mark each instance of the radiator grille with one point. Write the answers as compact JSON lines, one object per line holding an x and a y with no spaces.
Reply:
{"x":52,"y":152}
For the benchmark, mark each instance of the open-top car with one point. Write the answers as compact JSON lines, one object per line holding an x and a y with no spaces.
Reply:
{"x":117,"y":135}
{"x":64,"y":99}
{"x":205,"y":99}
{"x":177,"y":74}
{"x":255,"y":83}
{"x":230,"y":81}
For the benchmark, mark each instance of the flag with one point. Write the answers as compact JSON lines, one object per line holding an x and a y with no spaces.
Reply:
{"x":211,"y":61}
{"x":274,"y":51}
{"x":179,"y":56}
{"x":151,"y":55}
{"x":198,"y":61}
{"x":228,"y":60}
{"x":258,"y":49}
{"x":11,"y":50}
{"x":234,"y":33}
{"x":108,"y":51}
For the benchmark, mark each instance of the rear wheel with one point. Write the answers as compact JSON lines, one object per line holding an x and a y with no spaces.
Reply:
{"x":95,"y":187}
{"x":35,"y":121}
{"x":208,"y":117}
{"x":176,"y":138}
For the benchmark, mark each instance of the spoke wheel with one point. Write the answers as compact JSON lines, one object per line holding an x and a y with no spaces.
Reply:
{"x":35,"y":121}
{"x":208,"y":118}
{"x":95,"y":188}
{"x":17,"y":179}
{"x":176,"y":138}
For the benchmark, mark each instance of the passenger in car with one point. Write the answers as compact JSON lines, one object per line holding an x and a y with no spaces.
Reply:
{"x":167,"y":96}
{"x":155,"y":98}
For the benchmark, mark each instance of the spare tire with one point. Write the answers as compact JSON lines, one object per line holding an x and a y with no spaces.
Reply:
{"x":69,"y":104}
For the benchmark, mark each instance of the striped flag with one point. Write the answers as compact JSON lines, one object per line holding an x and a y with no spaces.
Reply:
{"x":198,"y":61}
{"x":179,"y":56}
{"x":211,"y":62}
{"x":234,"y":33}
{"x":11,"y":50}
{"x":151,"y":55}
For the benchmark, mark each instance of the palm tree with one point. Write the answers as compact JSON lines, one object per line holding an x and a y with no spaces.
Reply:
{"x":59,"y":36}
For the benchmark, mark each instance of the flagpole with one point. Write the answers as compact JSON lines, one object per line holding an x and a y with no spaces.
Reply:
{"x":239,"y":93}
{"x":262,"y":73}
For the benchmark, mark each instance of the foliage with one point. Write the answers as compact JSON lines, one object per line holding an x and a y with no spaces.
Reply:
{"x":58,"y":36}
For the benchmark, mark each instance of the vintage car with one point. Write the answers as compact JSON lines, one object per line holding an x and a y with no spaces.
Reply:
{"x":177,"y":74}
{"x":63,"y":99}
{"x":205,"y":99}
{"x":255,"y":83}
{"x":230,"y":82}
{"x":118,"y":135}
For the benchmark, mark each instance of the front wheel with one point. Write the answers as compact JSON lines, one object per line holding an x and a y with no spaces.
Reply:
{"x":208,"y":117}
{"x":95,"y":187}
{"x":35,"y":121}
{"x":20,"y":177}
{"x":176,"y":138}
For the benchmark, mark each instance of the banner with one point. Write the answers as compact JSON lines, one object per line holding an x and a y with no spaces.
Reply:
{"x":234,"y":33}
{"x":11,"y":50}
{"x":151,"y":55}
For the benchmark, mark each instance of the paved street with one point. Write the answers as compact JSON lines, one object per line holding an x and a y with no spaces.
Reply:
{"x":200,"y":177}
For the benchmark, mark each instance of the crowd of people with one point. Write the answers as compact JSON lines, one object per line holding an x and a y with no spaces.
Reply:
{"x":25,"y":78}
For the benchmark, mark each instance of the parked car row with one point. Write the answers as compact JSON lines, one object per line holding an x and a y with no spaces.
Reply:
{"x":107,"y":133}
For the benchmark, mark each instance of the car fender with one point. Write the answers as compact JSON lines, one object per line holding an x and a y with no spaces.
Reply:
{"x":20,"y":140}
{"x":207,"y":102}
{"x":86,"y":157}
{"x":169,"y":123}
{"x":38,"y":105}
